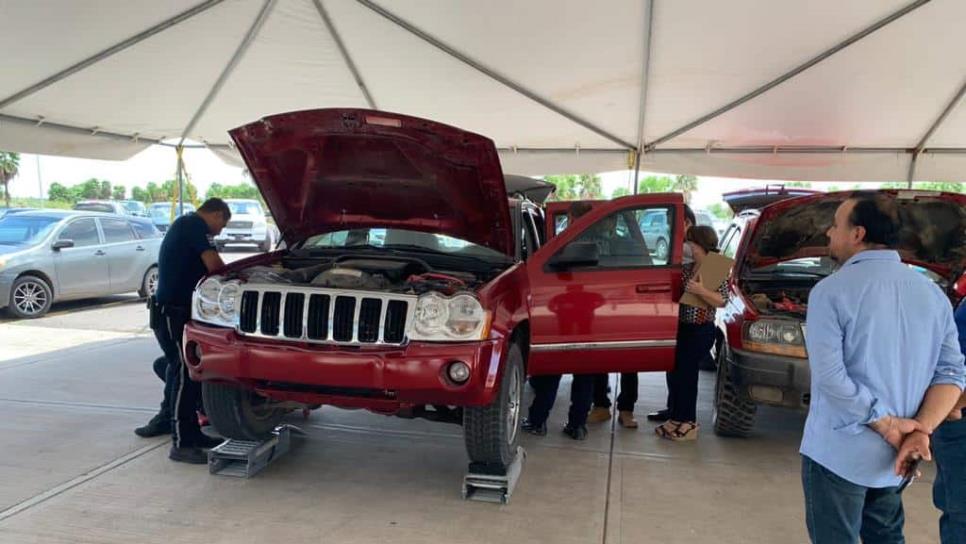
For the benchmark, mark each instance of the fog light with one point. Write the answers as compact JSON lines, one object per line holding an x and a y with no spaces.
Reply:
{"x":193,"y":353}
{"x":458,"y":371}
{"x":766,"y":393}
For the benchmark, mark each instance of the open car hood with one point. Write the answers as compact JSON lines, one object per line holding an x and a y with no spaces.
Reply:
{"x":755,"y":199}
{"x":932,"y":229}
{"x":336,"y":169}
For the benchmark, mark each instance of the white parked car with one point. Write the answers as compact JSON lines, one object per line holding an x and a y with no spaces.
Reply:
{"x":248,"y":226}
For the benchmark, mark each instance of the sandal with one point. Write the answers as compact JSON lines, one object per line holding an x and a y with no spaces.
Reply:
{"x":678,"y":431}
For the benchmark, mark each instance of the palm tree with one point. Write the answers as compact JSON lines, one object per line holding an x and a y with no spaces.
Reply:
{"x":9,"y":166}
{"x":686,"y":185}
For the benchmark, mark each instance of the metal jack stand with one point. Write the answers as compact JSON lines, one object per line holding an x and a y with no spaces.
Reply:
{"x":488,"y":485}
{"x":244,"y":458}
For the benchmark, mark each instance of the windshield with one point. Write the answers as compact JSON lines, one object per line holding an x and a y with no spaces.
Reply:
{"x":94,"y":207}
{"x":245,"y":208}
{"x":133,"y":206}
{"x":400,"y":239}
{"x":162,"y":212}
{"x":809,"y":265}
{"x":22,"y":230}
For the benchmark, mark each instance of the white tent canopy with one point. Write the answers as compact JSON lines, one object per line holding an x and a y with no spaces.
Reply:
{"x":818,"y":90}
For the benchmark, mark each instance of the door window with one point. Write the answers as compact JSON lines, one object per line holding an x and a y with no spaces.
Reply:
{"x":83,"y":232}
{"x":116,"y":231}
{"x":631,"y":238}
{"x":145,"y":230}
{"x":731,"y":244}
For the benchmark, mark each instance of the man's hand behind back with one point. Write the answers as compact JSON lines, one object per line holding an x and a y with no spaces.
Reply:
{"x":915,"y":446}
{"x":895,"y":429}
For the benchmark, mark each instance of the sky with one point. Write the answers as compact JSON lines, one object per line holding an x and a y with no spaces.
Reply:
{"x":157,"y":163}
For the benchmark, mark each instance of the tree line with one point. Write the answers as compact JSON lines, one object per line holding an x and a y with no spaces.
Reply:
{"x":166,"y":191}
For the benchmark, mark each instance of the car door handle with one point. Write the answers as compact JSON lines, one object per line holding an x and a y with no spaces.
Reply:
{"x":653,"y":288}
{"x":139,"y":248}
{"x":99,"y":253}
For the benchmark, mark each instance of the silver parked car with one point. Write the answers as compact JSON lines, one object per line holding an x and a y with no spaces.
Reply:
{"x":55,"y":255}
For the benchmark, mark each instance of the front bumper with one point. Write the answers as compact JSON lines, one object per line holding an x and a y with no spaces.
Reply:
{"x":242,"y":236}
{"x":383,"y":379}
{"x":770,"y":379}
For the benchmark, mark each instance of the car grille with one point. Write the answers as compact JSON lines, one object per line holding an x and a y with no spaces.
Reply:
{"x":327,"y":316}
{"x":239,"y":225}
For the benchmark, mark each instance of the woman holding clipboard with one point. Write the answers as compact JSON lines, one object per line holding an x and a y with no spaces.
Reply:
{"x":694,"y":340}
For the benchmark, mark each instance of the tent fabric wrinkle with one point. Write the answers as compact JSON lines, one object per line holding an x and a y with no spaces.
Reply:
{"x":865,"y":90}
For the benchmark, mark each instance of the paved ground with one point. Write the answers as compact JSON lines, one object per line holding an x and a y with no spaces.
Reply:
{"x":72,"y":471}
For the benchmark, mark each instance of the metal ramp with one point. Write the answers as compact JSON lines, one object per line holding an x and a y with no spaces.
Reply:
{"x":244,"y":458}
{"x":481,"y":484}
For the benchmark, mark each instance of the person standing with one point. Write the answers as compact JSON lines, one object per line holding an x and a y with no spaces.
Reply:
{"x":695,"y":338}
{"x":886,"y":369}
{"x":949,"y":450}
{"x":187,"y":254}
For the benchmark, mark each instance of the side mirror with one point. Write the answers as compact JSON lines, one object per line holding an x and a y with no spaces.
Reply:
{"x":62,"y":244}
{"x":575,"y":254}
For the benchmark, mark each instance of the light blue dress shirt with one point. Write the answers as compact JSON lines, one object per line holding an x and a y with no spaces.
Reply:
{"x":878,"y":335}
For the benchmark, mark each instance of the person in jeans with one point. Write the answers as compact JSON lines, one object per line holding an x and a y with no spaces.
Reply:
{"x":695,"y":338}
{"x":886,"y":369}
{"x":949,"y":450}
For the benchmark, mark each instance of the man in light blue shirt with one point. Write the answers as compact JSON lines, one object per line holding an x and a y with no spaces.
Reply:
{"x":885,"y":363}
{"x":949,"y":447}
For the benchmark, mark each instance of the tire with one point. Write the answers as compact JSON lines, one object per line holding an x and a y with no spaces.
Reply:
{"x":149,"y":285}
{"x":30,"y":297}
{"x":239,"y":413}
{"x":660,"y":250}
{"x":492,"y":433}
{"x":732,"y":415}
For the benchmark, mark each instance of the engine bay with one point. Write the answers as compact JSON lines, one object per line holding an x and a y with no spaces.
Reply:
{"x":396,"y":274}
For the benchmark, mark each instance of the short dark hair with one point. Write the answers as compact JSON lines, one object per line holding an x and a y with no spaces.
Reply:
{"x":877,"y":214}
{"x":704,"y":236}
{"x":216,"y":205}
{"x":579,"y":209}
{"x":689,"y":215}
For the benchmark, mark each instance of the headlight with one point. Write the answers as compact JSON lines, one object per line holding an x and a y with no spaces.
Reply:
{"x":775,"y":336}
{"x":216,"y":302}
{"x":438,"y":318}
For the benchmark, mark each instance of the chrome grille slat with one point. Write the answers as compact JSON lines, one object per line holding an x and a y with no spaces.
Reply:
{"x":393,"y":313}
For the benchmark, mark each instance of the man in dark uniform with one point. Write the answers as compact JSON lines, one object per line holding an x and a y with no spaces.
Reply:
{"x":187,"y":254}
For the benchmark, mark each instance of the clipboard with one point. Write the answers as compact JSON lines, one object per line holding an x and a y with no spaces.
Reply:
{"x":713,"y":270}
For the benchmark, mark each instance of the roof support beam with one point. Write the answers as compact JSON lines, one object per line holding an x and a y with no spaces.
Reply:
{"x":350,"y":64}
{"x":229,"y":68}
{"x":645,"y":78}
{"x":493,"y":74}
{"x":932,"y":129}
{"x":790,"y":74}
{"x":116,"y":48}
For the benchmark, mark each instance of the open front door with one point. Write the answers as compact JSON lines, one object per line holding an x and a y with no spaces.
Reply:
{"x":604,"y":291}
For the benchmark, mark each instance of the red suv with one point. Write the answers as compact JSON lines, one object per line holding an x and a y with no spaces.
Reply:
{"x":780,"y":253}
{"x":411,"y":284}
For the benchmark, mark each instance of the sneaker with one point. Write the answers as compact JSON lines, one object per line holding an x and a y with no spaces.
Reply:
{"x":193,"y":456}
{"x":158,"y":426}
{"x":626,"y":419}
{"x":534,"y":429}
{"x":660,"y":415}
{"x":598,"y":415}
{"x":577,"y":433}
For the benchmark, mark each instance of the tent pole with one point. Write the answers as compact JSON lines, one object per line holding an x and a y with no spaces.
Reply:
{"x":229,"y":68}
{"x":345,"y":53}
{"x":179,"y":151}
{"x":790,"y":74}
{"x":116,"y":48}
{"x":492,"y":74}
{"x":921,"y":146}
{"x":645,"y":78}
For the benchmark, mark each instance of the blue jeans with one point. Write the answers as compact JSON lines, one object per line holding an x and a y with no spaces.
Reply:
{"x":840,"y":512}
{"x":949,"y":491}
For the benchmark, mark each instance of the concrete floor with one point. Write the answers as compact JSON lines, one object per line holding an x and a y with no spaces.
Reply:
{"x":71,"y":470}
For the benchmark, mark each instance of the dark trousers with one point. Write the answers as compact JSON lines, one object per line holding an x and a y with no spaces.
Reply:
{"x":839,"y":511}
{"x":949,"y":489}
{"x":627,"y":397}
{"x":693,"y":343}
{"x":182,"y":395}
{"x":545,"y":393}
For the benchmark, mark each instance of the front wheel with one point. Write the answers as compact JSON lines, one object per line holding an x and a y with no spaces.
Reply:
{"x":492,"y":432}
{"x":732,"y":414}
{"x":661,"y":251}
{"x":30,"y":297}
{"x":149,"y":285}
{"x":240,"y":413}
